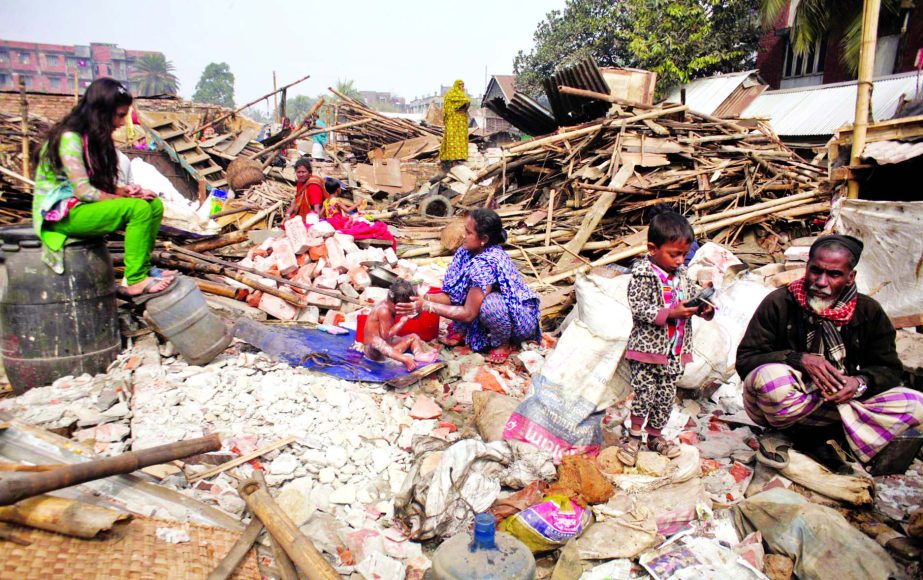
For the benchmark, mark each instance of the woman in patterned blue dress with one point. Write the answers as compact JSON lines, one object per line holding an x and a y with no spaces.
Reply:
{"x":483,"y":293}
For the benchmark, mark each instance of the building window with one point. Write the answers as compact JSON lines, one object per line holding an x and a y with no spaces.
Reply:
{"x":5,"y":79}
{"x":28,"y":80}
{"x":51,"y":59}
{"x":811,"y":63}
{"x":4,"y":56}
{"x":23,"y":58}
{"x":55,"y":83}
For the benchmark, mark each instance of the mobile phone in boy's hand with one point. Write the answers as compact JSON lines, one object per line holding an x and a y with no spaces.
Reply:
{"x":703,"y":296}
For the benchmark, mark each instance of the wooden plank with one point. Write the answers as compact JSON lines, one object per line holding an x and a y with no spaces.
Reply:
{"x":243,"y":459}
{"x":411,"y":378}
{"x":908,"y":321}
{"x":595,"y":215}
{"x":240,"y":143}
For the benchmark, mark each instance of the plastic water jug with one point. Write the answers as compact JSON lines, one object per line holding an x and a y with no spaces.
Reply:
{"x":487,"y":555}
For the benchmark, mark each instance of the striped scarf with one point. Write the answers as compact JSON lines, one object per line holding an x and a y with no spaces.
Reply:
{"x":823,"y":336}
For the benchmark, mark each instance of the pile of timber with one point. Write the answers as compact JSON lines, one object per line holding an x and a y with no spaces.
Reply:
{"x":15,"y":184}
{"x":576,"y":199}
{"x":377,"y":130}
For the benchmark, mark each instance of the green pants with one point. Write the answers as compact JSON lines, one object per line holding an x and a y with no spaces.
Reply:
{"x":139,"y":218}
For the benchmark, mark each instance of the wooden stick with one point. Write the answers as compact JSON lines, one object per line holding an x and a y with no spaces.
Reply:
{"x":220,"y":241}
{"x":592,"y":128}
{"x":283,"y":563}
{"x":233,"y":266}
{"x":13,"y":490}
{"x":219,"y":289}
{"x":15,"y":175}
{"x":238,"y":551}
{"x":299,"y":548}
{"x":782,"y":201}
{"x":604,"y":97}
{"x":250,"y":222}
{"x":307,"y":132}
{"x":242,"y":107}
{"x":243,"y":459}
{"x":549,"y":218}
{"x":592,"y":219}
{"x":24,"y":124}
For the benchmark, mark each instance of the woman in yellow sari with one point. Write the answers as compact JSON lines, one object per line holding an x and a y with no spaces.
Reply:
{"x":455,"y":115}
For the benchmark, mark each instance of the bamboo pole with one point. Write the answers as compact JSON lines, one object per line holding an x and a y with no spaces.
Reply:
{"x":528,"y":145}
{"x":219,"y":242}
{"x":242,"y":107}
{"x":237,"y":552}
{"x":13,"y":490}
{"x":307,"y":132}
{"x":15,"y":175}
{"x":870,"y":10}
{"x":283,"y":530}
{"x":24,"y":124}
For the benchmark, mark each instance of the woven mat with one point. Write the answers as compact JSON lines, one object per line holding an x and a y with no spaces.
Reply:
{"x":130,"y":551}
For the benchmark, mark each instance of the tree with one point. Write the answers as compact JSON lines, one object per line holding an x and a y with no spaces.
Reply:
{"x":348,"y":88}
{"x":297,"y":107}
{"x":678,"y":39}
{"x":685,"y":39}
{"x":816,"y":19}
{"x":585,"y":28}
{"x":154,"y":76}
{"x":258,"y":114}
{"x":216,"y":86}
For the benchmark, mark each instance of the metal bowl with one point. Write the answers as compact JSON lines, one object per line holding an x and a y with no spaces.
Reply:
{"x":382,"y":277}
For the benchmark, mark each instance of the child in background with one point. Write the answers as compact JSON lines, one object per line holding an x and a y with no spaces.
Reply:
{"x":336,"y":204}
{"x":381,"y":331}
{"x":661,"y":340}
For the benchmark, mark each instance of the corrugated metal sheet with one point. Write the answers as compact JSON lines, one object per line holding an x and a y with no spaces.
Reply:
{"x":572,"y":110}
{"x":821,"y":110}
{"x":524,"y":114}
{"x":889,"y":152}
{"x":706,"y":95}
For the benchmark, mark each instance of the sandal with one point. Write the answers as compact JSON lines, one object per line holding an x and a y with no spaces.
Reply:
{"x":146,"y":293}
{"x":628,"y":450}
{"x":665,"y":447}
{"x":453,"y":337}
{"x":499,"y":355}
{"x":773,"y":450}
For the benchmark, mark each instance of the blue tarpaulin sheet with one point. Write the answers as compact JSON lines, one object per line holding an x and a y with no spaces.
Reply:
{"x":293,"y":345}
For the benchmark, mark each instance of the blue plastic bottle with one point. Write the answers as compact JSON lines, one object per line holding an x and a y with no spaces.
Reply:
{"x":486,"y":556}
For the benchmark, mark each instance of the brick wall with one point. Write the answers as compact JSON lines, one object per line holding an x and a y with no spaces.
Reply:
{"x":770,"y":56}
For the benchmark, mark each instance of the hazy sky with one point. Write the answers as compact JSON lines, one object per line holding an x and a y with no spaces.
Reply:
{"x":408,"y":47}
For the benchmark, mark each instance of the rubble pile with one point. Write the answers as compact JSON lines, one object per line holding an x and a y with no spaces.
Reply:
{"x":576,"y":199}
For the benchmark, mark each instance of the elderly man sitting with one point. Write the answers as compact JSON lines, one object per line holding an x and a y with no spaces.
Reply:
{"x":818,"y":353}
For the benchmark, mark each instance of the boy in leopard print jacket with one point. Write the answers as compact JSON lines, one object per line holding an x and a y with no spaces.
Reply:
{"x":660,"y":344}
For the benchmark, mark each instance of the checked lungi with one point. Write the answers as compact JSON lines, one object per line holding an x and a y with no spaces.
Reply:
{"x":775,"y":395}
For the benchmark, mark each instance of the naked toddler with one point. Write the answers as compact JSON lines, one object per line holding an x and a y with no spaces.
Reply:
{"x":381,"y":331}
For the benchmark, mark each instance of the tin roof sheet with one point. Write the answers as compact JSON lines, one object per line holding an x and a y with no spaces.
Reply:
{"x":822,"y":109}
{"x":707,"y":94}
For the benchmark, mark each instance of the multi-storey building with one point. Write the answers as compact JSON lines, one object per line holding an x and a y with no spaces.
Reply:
{"x":55,"y":68}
